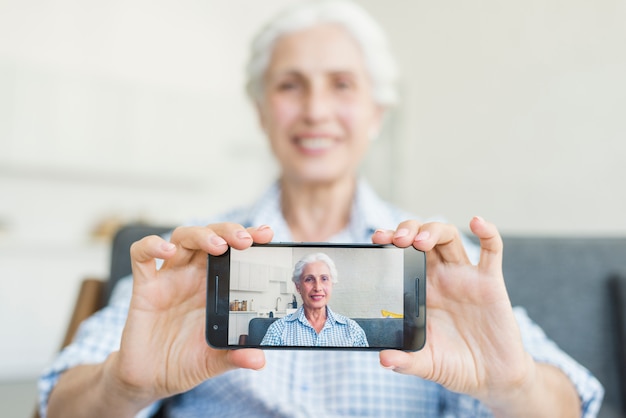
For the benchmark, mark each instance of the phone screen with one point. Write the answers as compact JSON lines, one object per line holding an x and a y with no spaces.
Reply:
{"x":330,"y":296}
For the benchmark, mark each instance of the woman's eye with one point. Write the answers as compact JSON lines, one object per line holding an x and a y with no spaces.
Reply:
{"x":343,"y":84}
{"x":287,"y":85}
{"x":325,"y":278}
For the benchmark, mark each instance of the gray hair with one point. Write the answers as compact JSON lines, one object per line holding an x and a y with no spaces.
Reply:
{"x":379,"y":61}
{"x":312,"y":258}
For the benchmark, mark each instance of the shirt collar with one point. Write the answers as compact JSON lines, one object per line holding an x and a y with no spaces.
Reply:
{"x":369,"y":212}
{"x":331,"y":317}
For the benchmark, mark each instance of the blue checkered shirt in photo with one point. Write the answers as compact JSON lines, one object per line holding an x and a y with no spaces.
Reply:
{"x":313,"y":383}
{"x":296,"y":331}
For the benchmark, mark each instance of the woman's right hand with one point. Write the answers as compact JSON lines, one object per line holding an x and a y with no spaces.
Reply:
{"x":163,"y":349}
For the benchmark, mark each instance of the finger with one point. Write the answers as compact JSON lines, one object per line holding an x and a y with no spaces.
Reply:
{"x":261,"y":234}
{"x":491,"y":247}
{"x":402,"y":236}
{"x":247,"y":358}
{"x":443,"y":240}
{"x":405,"y":233}
{"x":218,"y":362}
{"x":151,"y":247}
{"x":212,"y":239}
{"x":197,"y":241}
{"x":235,"y":235}
{"x":143,"y":253}
{"x":383,"y":236}
{"x":405,"y":363}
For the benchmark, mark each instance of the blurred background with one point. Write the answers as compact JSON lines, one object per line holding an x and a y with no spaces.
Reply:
{"x":134,"y":110}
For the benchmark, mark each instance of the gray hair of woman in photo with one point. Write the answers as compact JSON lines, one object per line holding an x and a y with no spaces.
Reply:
{"x":368,"y":34}
{"x":312,"y":258}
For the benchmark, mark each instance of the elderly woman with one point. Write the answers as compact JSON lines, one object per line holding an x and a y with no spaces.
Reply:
{"x":314,"y":323}
{"x":321,"y":78}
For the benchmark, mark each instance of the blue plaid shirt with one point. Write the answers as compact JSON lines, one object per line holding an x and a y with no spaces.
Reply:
{"x":307,"y":383}
{"x":295,"y":330}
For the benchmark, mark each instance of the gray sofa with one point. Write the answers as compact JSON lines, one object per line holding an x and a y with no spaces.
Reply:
{"x":380,"y":332}
{"x":573,"y":287}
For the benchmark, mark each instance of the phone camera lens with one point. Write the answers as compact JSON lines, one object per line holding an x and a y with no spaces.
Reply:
{"x":215,"y":327}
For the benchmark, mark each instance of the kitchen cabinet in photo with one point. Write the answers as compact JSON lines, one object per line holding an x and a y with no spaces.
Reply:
{"x":250,"y":277}
{"x":282,"y":276}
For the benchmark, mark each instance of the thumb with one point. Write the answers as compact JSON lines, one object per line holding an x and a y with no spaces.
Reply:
{"x":247,"y":358}
{"x":415,"y":363}
{"x":218,"y":361}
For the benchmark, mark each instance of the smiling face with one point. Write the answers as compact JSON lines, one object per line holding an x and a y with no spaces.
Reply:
{"x":315,"y":286}
{"x":317,"y":108}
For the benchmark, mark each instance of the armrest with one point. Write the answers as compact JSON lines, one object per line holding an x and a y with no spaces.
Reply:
{"x":89,"y":301}
{"x":617,"y":288}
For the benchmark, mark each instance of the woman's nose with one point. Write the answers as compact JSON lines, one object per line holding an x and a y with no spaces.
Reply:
{"x":318,"y":105}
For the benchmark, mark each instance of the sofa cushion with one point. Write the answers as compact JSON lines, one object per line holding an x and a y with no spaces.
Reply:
{"x":563,"y":284}
{"x":380,"y":332}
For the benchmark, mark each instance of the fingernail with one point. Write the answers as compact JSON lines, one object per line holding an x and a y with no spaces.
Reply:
{"x":168,"y":246}
{"x":479,"y":218}
{"x":402,"y":232}
{"x":243,"y":235}
{"x":263,"y":227}
{"x":422,"y":236}
{"x":389,"y":367}
{"x":218,"y":241}
{"x":379,"y":231}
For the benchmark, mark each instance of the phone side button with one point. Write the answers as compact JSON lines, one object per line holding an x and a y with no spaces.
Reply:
{"x":417,"y":297}
{"x":217,"y":295}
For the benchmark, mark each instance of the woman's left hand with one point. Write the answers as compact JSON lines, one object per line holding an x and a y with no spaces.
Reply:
{"x":473,"y":342}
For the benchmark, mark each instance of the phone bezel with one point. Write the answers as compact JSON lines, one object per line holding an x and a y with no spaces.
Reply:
{"x":414,"y":299}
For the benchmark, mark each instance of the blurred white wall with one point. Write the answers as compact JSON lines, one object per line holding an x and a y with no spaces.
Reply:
{"x":513,"y":110}
{"x":121,"y":110}
{"x":135,"y":110}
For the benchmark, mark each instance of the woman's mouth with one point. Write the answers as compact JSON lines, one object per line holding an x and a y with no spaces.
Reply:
{"x":314,"y":144}
{"x":317,"y":298}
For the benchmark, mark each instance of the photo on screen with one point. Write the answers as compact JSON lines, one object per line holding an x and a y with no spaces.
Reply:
{"x":368,"y":290}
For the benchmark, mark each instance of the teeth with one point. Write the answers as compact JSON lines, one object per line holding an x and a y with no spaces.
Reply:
{"x":316,"y":143}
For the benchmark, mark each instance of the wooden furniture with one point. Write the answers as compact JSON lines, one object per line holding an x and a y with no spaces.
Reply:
{"x":94,"y":293}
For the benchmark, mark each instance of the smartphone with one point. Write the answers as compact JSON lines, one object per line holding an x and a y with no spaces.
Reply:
{"x":373,"y":297}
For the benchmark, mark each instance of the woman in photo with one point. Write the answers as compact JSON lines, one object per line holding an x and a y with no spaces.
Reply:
{"x":315,"y":323}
